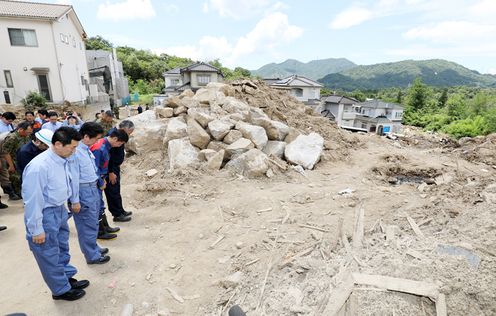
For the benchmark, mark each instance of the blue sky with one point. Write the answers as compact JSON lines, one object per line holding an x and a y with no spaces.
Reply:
{"x":251,"y":33}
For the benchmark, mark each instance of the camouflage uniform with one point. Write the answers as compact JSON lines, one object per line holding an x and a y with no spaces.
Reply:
{"x":10,"y":146}
{"x":107,"y":126}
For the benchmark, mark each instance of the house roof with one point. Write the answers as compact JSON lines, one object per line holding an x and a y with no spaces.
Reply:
{"x":175,"y":71}
{"x":339,"y":99}
{"x":378,"y":104}
{"x":40,"y":11}
{"x":296,"y":81}
{"x":201,"y":66}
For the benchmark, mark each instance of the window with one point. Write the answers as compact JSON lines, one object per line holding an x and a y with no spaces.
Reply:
{"x":175,"y":82}
{"x":8,"y":79}
{"x":23,"y":37}
{"x":203,"y":80}
{"x":297,"y":92}
{"x":398,"y":115}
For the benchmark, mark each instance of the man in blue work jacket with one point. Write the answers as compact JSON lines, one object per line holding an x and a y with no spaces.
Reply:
{"x":45,"y":216}
{"x":101,"y":151}
{"x":85,"y":195}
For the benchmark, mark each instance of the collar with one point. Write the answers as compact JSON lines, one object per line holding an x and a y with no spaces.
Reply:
{"x":83,"y":145}
{"x":56,"y":157}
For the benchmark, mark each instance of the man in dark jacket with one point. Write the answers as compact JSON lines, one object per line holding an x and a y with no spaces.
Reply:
{"x":40,"y":142}
{"x":113,"y":189}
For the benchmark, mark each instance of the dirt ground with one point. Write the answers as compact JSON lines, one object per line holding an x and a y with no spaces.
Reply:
{"x":193,"y":229}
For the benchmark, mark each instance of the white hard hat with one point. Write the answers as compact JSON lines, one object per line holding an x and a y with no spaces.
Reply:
{"x":45,"y":135}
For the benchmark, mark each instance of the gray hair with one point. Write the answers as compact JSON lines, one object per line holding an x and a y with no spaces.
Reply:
{"x":126,"y":124}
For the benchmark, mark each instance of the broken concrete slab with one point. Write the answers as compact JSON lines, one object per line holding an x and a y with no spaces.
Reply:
{"x":305,"y":150}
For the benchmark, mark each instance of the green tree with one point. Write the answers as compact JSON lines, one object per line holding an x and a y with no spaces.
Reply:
{"x":417,"y":95}
{"x":455,"y":107}
{"x":442,"y":99}
{"x":399,"y":97}
{"x":98,"y":42}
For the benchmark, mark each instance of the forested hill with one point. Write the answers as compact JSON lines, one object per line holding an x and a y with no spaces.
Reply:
{"x":434,"y":72}
{"x":314,"y":69}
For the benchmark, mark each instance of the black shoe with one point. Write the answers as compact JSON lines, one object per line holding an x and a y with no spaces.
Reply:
{"x":14,"y":197}
{"x":127,"y":213}
{"x":78,"y":285}
{"x":3,"y":228}
{"x":2,"y":206}
{"x":121,"y":218}
{"x":101,"y":260}
{"x":104,"y":251}
{"x":106,"y":236}
{"x":71,"y":295}
{"x":106,"y":225}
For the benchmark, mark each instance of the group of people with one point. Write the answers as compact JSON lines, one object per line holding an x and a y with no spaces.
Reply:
{"x":60,"y":169}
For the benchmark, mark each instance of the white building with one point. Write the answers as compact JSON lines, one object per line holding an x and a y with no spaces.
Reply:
{"x":42,"y":49}
{"x":302,"y":88}
{"x":193,"y":77}
{"x":107,"y":76}
{"x":374,"y":116}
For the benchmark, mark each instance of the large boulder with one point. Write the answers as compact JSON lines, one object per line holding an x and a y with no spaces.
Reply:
{"x":181,"y":153}
{"x":187,"y":93}
{"x":197,"y":135}
{"x":180,"y":110}
{"x":202,"y":116}
{"x":256,"y":115}
{"x":208,"y":96}
{"x":305,"y":150}
{"x":164,"y":112}
{"x":173,"y":102}
{"x":239,"y":147}
{"x":216,"y":145}
{"x":206,"y":154}
{"x":275,"y":130}
{"x":275,"y":148}
{"x":254,"y":133}
{"x":218,"y":128}
{"x":233,"y":105}
{"x":176,"y":128}
{"x":232,"y":136}
{"x":253,"y":163}
{"x":148,"y":134}
{"x":215,"y":161}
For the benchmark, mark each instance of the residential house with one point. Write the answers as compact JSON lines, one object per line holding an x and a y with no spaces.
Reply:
{"x":107,"y":77}
{"x":42,"y":49}
{"x":193,"y":77}
{"x":374,"y":116}
{"x":302,"y":88}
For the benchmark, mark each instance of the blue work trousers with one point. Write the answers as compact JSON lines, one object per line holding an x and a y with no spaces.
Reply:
{"x":87,"y":220}
{"x":53,"y":255}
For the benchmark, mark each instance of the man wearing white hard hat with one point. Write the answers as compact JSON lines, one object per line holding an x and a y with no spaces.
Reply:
{"x":40,"y":141}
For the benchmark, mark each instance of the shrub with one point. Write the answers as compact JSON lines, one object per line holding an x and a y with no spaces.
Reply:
{"x":34,"y":100}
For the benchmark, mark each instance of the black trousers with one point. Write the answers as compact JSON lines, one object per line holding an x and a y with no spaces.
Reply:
{"x":113,"y":194}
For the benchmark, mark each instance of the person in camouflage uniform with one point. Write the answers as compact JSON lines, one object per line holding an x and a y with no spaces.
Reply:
{"x":107,"y":121}
{"x":9,"y":149}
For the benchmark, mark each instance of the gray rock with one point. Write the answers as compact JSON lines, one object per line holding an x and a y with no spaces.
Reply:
{"x":197,"y":135}
{"x":176,"y":128}
{"x":215,"y":161}
{"x":206,"y":154}
{"x":180,"y":110}
{"x":232,"y":136}
{"x":275,"y":148}
{"x":201,"y":116}
{"x":239,"y":147}
{"x":181,"y":153}
{"x":254,"y":133}
{"x":253,"y":163}
{"x":305,"y":150}
{"x":218,"y":128}
{"x":164,"y":112}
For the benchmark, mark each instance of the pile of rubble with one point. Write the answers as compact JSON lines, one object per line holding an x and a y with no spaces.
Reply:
{"x":216,"y":128}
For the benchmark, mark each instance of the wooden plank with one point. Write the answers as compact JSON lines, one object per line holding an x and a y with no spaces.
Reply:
{"x":302,"y":253}
{"x":397,"y":284}
{"x":339,"y":295}
{"x":358,"y":233}
{"x":314,"y":228}
{"x":415,"y":227}
{"x":441,"y":305}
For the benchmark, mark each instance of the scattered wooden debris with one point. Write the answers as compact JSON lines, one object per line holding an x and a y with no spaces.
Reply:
{"x":314,"y":227}
{"x":265,"y":210}
{"x":302,"y":253}
{"x":358,"y":232}
{"x":175,"y":295}
{"x":217,"y":241}
{"x":415,"y":227}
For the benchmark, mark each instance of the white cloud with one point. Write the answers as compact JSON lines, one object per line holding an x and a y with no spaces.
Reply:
{"x":452,"y":32}
{"x":484,"y":7}
{"x":270,"y":33}
{"x":491,"y":71}
{"x":126,"y":10}
{"x":351,"y":17}
{"x":238,"y":9}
